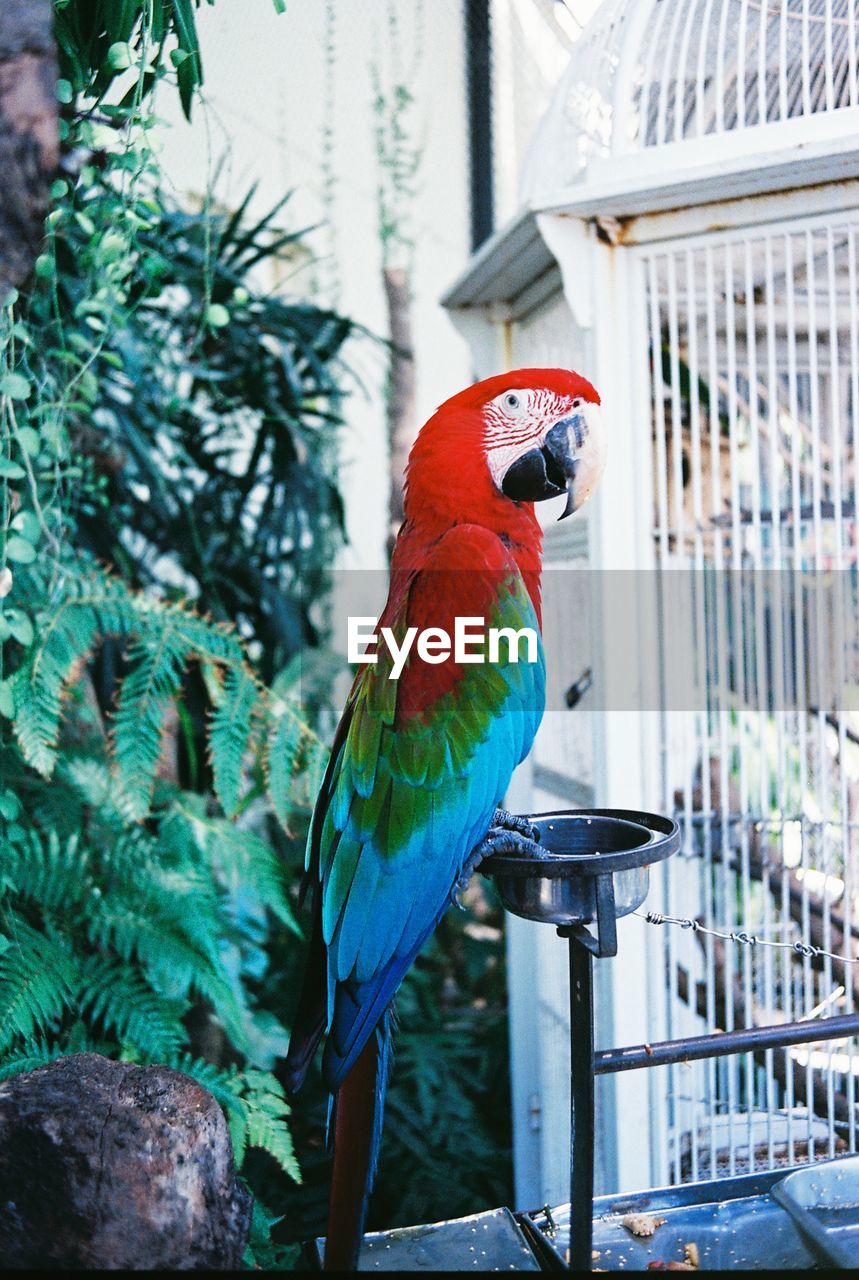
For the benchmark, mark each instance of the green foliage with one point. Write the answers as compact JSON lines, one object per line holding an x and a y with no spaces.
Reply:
{"x":284,"y":747}
{"x":165,"y":413}
{"x":112,"y":935}
{"x":211,"y":445}
{"x":230,"y":729}
{"x":256,"y":1109}
{"x":154,"y":784}
{"x":101,"y":40}
{"x":35,"y":983}
{"x":163,"y":638}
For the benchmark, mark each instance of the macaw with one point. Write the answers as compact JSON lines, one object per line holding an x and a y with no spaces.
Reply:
{"x":419,"y":766}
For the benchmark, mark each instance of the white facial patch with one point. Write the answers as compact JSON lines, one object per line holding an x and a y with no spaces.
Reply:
{"x":515,"y":429}
{"x":501,"y":457}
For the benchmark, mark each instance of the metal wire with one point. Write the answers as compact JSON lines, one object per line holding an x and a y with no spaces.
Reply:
{"x":742,"y":938}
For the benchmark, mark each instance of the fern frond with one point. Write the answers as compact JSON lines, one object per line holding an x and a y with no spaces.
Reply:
{"x":242,"y":859}
{"x":174,"y":939}
{"x":92,"y":779}
{"x":146,"y":693}
{"x":312,"y":762}
{"x":136,"y":922}
{"x":57,"y":806}
{"x":137,"y":874}
{"x":36,"y":979}
{"x":124,"y":1003}
{"x":32,"y":1055}
{"x":286,"y":734}
{"x":88,"y":609}
{"x":229,"y":735}
{"x":163,"y":638}
{"x":270,"y":1134}
{"x":210,"y":641}
{"x":98,"y":788}
{"x":52,"y":872}
{"x":267,"y":1112}
{"x":224,"y":1084}
{"x":133,"y":857}
{"x":64,"y":644}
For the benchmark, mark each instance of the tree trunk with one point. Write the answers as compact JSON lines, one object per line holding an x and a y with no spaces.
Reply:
{"x":401,"y":389}
{"x":29,"y":139}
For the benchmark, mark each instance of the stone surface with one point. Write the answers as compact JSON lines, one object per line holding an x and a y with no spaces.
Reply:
{"x":105,"y":1165}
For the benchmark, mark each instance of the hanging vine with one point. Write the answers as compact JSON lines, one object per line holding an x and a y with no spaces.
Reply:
{"x":399,"y":153}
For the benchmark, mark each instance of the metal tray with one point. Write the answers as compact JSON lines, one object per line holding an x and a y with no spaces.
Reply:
{"x":491,"y":1241}
{"x":734,"y":1224}
{"x":823,"y":1201}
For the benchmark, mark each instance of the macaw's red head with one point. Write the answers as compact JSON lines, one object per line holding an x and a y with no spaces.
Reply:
{"x":490,"y":452}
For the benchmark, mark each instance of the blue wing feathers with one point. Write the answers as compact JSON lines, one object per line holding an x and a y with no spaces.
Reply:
{"x":359,"y":1002}
{"x":346,"y":943}
{"x":337,"y":887}
{"x":369,"y":957}
{"x":464,"y":819}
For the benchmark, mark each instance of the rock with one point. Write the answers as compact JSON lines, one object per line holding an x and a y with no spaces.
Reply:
{"x":105,"y":1165}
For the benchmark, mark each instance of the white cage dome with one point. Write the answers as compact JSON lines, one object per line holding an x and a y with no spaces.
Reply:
{"x":647,"y":74}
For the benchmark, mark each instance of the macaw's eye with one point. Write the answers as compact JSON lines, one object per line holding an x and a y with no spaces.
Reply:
{"x":578,"y":403}
{"x":512,"y":401}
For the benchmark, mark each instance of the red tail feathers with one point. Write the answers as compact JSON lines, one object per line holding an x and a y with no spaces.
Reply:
{"x":354,"y":1143}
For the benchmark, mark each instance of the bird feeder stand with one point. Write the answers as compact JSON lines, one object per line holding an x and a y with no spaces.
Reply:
{"x":595,"y":869}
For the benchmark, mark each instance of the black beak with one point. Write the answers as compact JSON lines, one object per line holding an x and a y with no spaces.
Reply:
{"x":548,"y":471}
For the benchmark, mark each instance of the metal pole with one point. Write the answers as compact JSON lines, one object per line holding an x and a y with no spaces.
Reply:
{"x":722,"y":1043}
{"x":478,"y":54}
{"x":581,"y":1106}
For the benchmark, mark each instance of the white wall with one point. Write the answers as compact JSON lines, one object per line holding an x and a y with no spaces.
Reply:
{"x":268,"y":90}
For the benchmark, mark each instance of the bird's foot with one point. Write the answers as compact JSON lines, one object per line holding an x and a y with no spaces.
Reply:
{"x":511,"y":835}
{"x":513,"y":822}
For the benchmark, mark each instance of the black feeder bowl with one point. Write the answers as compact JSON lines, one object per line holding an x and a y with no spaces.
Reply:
{"x":595,"y":869}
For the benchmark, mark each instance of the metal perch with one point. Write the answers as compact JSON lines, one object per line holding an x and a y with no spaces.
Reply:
{"x":597,"y":870}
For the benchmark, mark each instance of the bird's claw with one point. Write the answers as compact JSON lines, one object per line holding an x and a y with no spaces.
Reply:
{"x":513,"y":822}
{"x":511,"y":835}
{"x":504,"y":840}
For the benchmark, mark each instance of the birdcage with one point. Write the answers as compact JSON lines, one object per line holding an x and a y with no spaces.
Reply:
{"x":688,"y":236}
